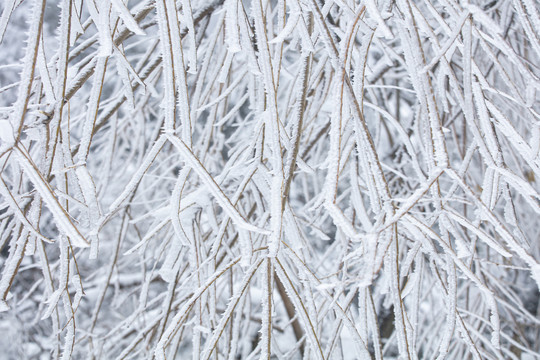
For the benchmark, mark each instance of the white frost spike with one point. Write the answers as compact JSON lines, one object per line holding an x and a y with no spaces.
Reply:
{"x":188,"y":18}
{"x":370,"y":249}
{"x":125,"y":15}
{"x":3,"y":306}
{"x":266,"y":312}
{"x":151,"y":233}
{"x":60,"y":215}
{"x":334,"y":153}
{"x":507,"y":129}
{"x":92,"y":109}
{"x":522,"y":186}
{"x":341,"y":220}
{"x":69,"y":338}
{"x":495,"y":321}
{"x":76,"y":27}
{"x":77,"y":283}
{"x":169,"y":65}
{"x":462,"y":249}
{"x":231,"y":25}
{"x":53,"y":302}
{"x":6,"y":14}
{"x":11,"y":265}
{"x":222,"y":78}
{"x":451,"y":42}
{"x":535,"y":15}
{"x":8,"y":198}
{"x":214,"y":188}
{"x":246,"y":247}
{"x":360,"y":68}
{"x":276,"y":215}
{"x":480,"y":16}
{"x":451,"y":309}
{"x":45,"y":77}
{"x":303,"y":32}
{"x":247,"y":45}
{"x":300,"y":310}
{"x":516,"y":247}
{"x":124,"y":75}
{"x":478,"y":232}
{"x":233,"y":111}
{"x":373,"y":11}
{"x":25,"y":86}
{"x":409,"y":286}
{"x":485,"y":124}
{"x":167,"y":270}
{"x":287,"y":30}
{"x":148,"y":160}
{"x":101,"y":18}
{"x":6,"y":133}
{"x":414,"y":198}
{"x":307,"y":44}
{"x":63,"y":277}
{"x":530,"y":94}
{"x":226,"y":92}
{"x":176,"y":84}
{"x":292,"y":231}
{"x":104,"y":27}
{"x":176,"y":199}
{"x":535,"y":272}
{"x":228,"y":314}
{"x":358,"y":203}
{"x":172,"y":327}
{"x":88,"y":189}
{"x":265,"y":60}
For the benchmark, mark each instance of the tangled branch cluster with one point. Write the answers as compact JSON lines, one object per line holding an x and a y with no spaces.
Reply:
{"x":284,"y":179}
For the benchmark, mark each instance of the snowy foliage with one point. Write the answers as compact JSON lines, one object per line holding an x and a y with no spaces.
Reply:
{"x":283,"y":179}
